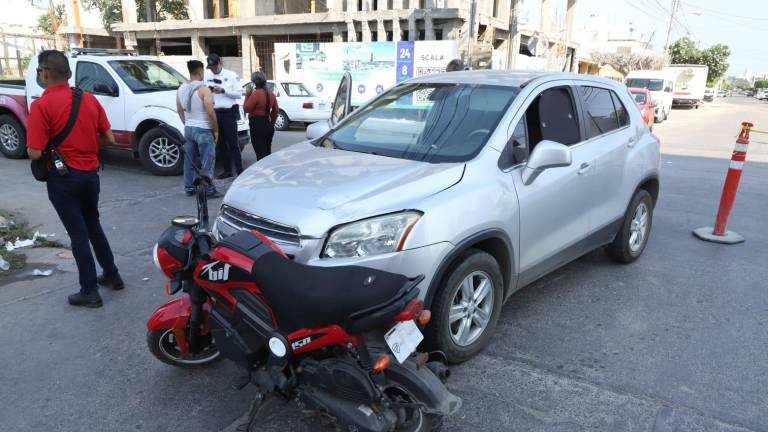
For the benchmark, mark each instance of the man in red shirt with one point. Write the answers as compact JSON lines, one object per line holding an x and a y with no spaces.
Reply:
{"x":74,"y":194}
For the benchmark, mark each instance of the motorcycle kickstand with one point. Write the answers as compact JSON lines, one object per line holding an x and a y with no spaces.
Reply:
{"x":258,"y":401}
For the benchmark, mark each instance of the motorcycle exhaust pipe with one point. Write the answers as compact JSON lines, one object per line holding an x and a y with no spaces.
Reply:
{"x":440,"y":370}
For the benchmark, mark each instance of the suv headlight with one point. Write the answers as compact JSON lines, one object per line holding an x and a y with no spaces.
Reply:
{"x":377,"y":235}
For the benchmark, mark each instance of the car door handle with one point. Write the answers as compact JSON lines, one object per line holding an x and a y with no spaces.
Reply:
{"x":631,"y":142}
{"x":584,"y":168}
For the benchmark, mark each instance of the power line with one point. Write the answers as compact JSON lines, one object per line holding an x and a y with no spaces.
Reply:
{"x":721,"y":13}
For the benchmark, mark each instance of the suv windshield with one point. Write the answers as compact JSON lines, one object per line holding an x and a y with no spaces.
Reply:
{"x":147,"y":75}
{"x":425,"y":122}
{"x":650,"y":84}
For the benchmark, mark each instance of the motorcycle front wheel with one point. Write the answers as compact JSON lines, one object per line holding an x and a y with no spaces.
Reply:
{"x":162,"y":344}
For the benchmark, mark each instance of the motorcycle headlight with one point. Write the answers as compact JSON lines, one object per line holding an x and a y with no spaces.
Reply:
{"x":377,"y":235}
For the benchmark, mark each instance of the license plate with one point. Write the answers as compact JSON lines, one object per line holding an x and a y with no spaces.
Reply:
{"x":403,"y":339}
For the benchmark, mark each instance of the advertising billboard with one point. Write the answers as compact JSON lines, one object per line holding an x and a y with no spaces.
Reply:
{"x":374,"y":66}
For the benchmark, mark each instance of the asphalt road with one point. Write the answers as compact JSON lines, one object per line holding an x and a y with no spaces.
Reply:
{"x":674,"y":342}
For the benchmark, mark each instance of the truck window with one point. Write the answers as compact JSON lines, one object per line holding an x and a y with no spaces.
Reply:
{"x":93,"y":78}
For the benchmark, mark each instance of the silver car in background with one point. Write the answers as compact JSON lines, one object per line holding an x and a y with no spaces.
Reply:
{"x":483,"y":181}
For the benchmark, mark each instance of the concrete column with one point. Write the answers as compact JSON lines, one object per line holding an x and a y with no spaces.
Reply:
{"x":247,"y":9}
{"x":249,"y":55}
{"x":397,"y":4}
{"x":335,"y":5}
{"x":198,"y":46}
{"x":546,"y":16}
{"x":366,"y":29}
{"x":412,"y":31}
{"x":337,"y":36}
{"x":397,"y":34}
{"x":382,"y":5}
{"x":381,"y":31}
{"x":569,"y":17}
{"x":129,"y":11}
{"x":429,"y":27}
{"x":351,"y":32}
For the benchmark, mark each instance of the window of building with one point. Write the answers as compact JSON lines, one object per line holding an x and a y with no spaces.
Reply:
{"x":601,"y":113}
{"x":226,"y":46}
{"x":422,"y":35}
{"x":374,"y":36}
{"x":223,"y":8}
{"x":176,"y":46}
{"x":406,"y":34}
{"x":359,"y":36}
{"x":438,"y":34}
{"x":345,"y":36}
{"x":389,"y":36}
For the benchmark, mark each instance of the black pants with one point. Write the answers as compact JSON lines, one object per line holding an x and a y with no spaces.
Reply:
{"x":228,"y":149}
{"x":75,"y":197}
{"x":262,"y":133}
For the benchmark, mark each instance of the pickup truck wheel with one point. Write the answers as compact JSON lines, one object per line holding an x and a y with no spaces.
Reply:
{"x":13,"y":140}
{"x":282,"y":121}
{"x":631,"y":239}
{"x":159,"y":153}
{"x":466,"y":307}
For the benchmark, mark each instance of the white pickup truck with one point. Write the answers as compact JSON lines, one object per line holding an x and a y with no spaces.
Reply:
{"x":137,"y":93}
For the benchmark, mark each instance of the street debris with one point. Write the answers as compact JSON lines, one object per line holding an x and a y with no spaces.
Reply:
{"x":4,"y":265}
{"x":38,"y":272}
{"x":9,"y":246}
{"x":145,"y":279}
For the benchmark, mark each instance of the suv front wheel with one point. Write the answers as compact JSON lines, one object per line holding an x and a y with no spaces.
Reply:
{"x":466,"y":307}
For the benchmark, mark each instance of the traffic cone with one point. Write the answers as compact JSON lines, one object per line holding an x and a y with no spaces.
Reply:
{"x":719,"y":234}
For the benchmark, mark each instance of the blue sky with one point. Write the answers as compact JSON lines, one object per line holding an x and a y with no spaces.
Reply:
{"x":740,"y":24}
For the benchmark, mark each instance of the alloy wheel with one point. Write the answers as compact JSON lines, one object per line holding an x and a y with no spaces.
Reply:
{"x":164,"y":153}
{"x":9,"y":137}
{"x":638,"y":229}
{"x":471,"y":308}
{"x":280,"y":122}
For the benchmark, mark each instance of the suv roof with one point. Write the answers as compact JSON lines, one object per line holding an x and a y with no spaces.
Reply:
{"x":503,"y":77}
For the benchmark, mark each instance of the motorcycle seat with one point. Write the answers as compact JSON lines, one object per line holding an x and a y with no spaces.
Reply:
{"x":303,"y":296}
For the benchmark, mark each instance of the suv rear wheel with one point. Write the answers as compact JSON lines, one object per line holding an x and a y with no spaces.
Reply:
{"x":13,"y":140}
{"x":466,"y":307}
{"x":632,"y":238}
{"x":159,"y":153}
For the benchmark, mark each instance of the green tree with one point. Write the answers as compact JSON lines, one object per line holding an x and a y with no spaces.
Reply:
{"x":685,"y":51}
{"x":761,"y":84}
{"x":111,"y":11}
{"x":44,"y":23}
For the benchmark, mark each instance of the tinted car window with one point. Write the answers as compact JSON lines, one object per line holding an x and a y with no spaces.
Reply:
{"x":425,"y":122}
{"x":519,"y":142}
{"x":601,"y":114}
{"x":93,"y":78}
{"x":621,"y":111}
{"x":650,"y":84}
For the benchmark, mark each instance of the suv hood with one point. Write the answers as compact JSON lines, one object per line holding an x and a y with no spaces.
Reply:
{"x":315,"y":188}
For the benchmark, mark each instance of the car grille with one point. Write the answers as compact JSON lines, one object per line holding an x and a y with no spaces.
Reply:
{"x":246,"y":221}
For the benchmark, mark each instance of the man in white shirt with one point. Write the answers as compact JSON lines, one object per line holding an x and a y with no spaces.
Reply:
{"x":227,"y":93}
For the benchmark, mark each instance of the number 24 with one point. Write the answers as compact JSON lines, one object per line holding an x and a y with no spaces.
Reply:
{"x":405,"y":53}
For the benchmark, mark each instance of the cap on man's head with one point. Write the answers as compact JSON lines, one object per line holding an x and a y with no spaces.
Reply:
{"x":213,"y":60}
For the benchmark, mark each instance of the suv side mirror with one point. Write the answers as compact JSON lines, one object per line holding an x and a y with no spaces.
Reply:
{"x":316,"y":130}
{"x":546,"y":154}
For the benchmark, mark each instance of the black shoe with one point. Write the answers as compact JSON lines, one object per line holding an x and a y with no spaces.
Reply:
{"x":224,"y":175}
{"x":212,"y":193}
{"x":89,"y":300}
{"x":114,"y":281}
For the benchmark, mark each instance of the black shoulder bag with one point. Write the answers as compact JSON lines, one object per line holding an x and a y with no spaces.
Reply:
{"x":41,"y":168}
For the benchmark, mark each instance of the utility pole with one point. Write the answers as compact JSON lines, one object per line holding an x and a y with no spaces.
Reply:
{"x":669,"y":29}
{"x":471,"y":32}
{"x":512,"y":34}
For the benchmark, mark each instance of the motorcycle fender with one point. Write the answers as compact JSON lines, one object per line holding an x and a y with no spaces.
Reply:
{"x":172,"y":315}
{"x":425,"y":386}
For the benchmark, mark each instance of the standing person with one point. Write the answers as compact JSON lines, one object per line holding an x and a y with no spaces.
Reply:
{"x":194,"y":103}
{"x":74,"y":191}
{"x":262,"y":109}
{"x":225,"y":86}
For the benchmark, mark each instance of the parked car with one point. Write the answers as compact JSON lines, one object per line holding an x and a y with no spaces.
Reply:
{"x":722,"y":93}
{"x":297,"y":104}
{"x":661,"y":84}
{"x":709,"y":94}
{"x":645,"y":104}
{"x":137,"y":93}
{"x":483,"y":181}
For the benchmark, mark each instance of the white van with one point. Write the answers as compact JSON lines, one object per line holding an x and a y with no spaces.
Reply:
{"x":661,"y":84}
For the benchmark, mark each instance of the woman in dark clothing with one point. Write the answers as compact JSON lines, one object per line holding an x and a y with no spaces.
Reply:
{"x":262,"y":109}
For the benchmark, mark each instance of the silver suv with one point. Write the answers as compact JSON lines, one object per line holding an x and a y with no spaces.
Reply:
{"x":483,"y":181}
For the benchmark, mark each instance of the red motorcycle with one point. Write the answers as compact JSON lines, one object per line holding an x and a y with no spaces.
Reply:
{"x":342,"y":340}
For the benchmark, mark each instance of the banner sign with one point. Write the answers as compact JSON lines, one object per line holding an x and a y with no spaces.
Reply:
{"x":374,"y":66}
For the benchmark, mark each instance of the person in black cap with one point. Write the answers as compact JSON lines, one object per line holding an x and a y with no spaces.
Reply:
{"x":225,"y":86}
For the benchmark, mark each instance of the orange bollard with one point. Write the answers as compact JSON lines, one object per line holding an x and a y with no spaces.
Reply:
{"x":719,"y":234}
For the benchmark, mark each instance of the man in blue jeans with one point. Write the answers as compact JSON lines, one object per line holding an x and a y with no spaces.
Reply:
{"x":194,"y":103}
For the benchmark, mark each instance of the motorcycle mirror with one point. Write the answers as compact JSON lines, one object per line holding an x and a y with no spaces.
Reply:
{"x":185,"y":221}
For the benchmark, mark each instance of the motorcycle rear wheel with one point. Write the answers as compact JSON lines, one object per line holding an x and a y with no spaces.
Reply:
{"x":411,"y":419}
{"x":162,"y":344}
